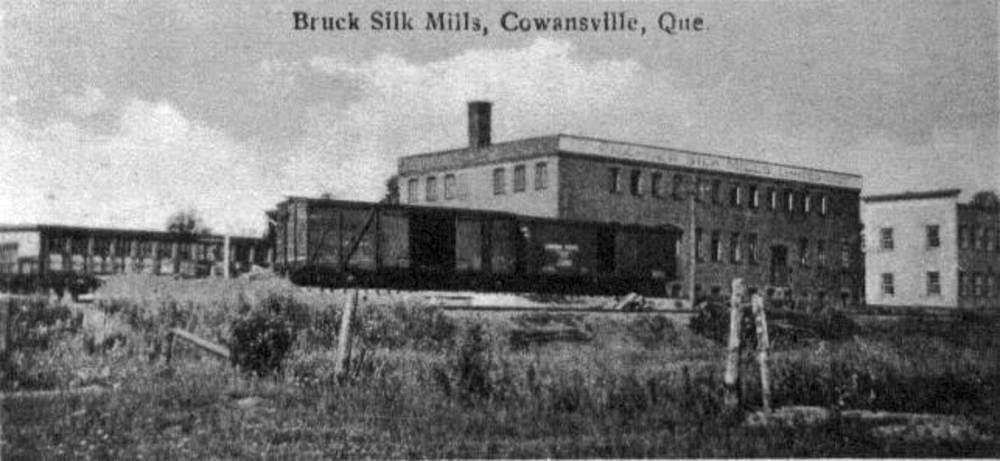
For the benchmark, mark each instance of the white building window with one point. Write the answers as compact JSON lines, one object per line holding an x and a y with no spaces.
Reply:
{"x":449,"y":186}
{"x":933,"y":236}
{"x":541,"y":175}
{"x":432,"y":189}
{"x":499,"y":182}
{"x":933,"y":283}
{"x":888,"y":286}
{"x":520,"y":179}
{"x":615,"y":179}
{"x":886,"y":241}
{"x":412,"y":190}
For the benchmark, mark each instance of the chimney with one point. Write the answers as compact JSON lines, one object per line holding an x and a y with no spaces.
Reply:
{"x":479,"y":124}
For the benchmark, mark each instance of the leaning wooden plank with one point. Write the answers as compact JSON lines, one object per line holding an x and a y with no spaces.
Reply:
{"x":632,"y":297}
{"x":218,"y":350}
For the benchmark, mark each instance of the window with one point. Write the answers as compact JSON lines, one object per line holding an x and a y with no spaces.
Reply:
{"x":804,"y":251}
{"x":716,"y":246}
{"x":977,"y":279}
{"x":933,"y":283}
{"x":716,"y":191}
{"x":807,"y":203}
{"x":772,"y":199}
{"x":980,"y":238}
{"x":678,"y":186}
{"x":823,"y":209}
{"x":886,"y":238}
{"x":431,"y":194}
{"x":990,"y":242}
{"x":963,"y":237}
{"x":888,"y":287}
{"x":449,"y":186}
{"x":845,"y":253}
{"x":735,"y":248}
{"x":991,"y":285}
{"x":703,"y":189}
{"x":752,"y":248}
{"x":635,"y":182}
{"x":412,"y":187}
{"x":735,"y":195}
{"x":499,"y":182}
{"x":754,"y":196}
{"x":698,"y":234}
{"x":520,"y":181}
{"x":656,"y":184}
{"x":963,"y":284}
{"x":821,"y":252}
{"x":541,"y":175}
{"x":933,"y":236}
{"x":614,"y":179}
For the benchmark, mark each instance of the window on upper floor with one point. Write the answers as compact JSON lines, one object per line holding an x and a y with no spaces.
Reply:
{"x":823,"y":205}
{"x":977,"y":284}
{"x":635,"y":182}
{"x":807,"y":203}
{"x":520,"y":178}
{"x":821,"y":252}
{"x":980,"y":238}
{"x":789,"y":201}
{"x":716,"y":246}
{"x":754,"y":196}
{"x":541,"y":175}
{"x":656,"y":184}
{"x":933,"y":283}
{"x":716,"y":191}
{"x":449,"y":186}
{"x":752,"y":248}
{"x":772,"y":199}
{"x":888,"y":285}
{"x":431,"y":194}
{"x":735,"y":248}
{"x":963,"y":237}
{"x":698,"y":237}
{"x":933,"y":236}
{"x":499,"y":181}
{"x":677,"y":189}
{"x":885,"y":238}
{"x":412,"y":190}
{"x":735,"y":195}
{"x":615,"y":179}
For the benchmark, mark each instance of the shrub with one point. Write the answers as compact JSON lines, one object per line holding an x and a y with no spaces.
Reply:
{"x":652,"y":331}
{"x":712,"y":322}
{"x":261,"y":341}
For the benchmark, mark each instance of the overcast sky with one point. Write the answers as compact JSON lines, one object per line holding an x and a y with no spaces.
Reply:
{"x":119,"y":113}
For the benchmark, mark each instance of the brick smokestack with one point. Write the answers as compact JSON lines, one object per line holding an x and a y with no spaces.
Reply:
{"x":479,"y":124}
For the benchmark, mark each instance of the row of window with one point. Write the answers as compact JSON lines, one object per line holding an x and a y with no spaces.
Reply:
{"x":978,"y":237}
{"x":739,"y":195}
{"x":745,"y":246}
{"x":499,"y":183}
{"x":520,"y":178}
{"x":887,"y":239}
{"x":977,"y":285}
{"x":933,"y":284}
{"x":145,"y":248}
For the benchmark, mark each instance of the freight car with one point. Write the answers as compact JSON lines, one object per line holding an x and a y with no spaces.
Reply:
{"x":332,"y":243}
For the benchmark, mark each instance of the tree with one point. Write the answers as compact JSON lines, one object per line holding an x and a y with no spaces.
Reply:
{"x":392,"y":190}
{"x":986,"y":199}
{"x":187,"y":222}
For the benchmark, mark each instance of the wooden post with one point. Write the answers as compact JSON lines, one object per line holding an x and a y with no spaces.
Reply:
{"x":344,"y":341}
{"x":732,"y":376}
{"x":763,"y":348}
{"x":225,"y":258}
{"x":5,"y":309}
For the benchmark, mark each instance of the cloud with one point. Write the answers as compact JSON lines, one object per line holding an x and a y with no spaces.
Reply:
{"x":156,"y":163}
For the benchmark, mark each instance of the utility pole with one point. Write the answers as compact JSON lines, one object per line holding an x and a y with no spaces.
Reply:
{"x":225,"y":257}
{"x":693,"y":257}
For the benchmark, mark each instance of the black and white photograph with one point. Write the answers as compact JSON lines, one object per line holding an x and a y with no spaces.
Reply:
{"x":456,"y":229}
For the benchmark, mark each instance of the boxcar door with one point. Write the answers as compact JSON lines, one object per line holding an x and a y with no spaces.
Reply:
{"x":432,"y":241}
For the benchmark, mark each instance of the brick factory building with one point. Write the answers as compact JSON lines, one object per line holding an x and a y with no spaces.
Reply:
{"x":927,"y":249}
{"x":43,"y":249}
{"x":776,"y":226}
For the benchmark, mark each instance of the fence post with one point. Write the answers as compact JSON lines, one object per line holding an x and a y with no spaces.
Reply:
{"x":732,"y":376}
{"x":763,"y":348}
{"x":344,"y":341}
{"x":5,"y":309}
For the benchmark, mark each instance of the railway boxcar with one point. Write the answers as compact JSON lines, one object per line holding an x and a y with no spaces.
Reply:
{"x":322,"y":242}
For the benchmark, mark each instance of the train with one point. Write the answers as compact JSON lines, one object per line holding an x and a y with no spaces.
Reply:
{"x":332,"y":243}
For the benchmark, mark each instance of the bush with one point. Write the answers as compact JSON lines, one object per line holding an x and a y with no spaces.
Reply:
{"x":652,"y":331}
{"x":261,"y":341}
{"x":712,"y":322}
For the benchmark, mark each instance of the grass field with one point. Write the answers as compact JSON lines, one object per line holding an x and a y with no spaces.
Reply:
{"x":428,"y":384}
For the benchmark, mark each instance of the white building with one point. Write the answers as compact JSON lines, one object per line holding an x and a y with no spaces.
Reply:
{"x":926,"y":249}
